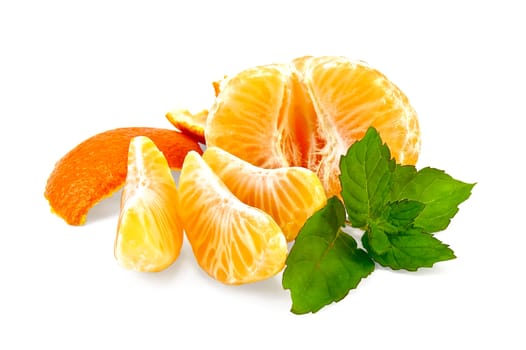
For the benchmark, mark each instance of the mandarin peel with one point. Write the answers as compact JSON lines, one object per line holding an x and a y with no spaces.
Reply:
{"x":96,"y":168}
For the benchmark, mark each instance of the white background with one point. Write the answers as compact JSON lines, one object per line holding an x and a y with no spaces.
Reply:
{"x":70,"y":70}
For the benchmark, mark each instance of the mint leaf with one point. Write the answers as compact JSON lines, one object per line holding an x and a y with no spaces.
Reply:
{"x":324,"y":262}
{"x":366,"y":176}
{"x":394,"y":241}
{"x":403,"y":174}
{"x":440,"y":193}
{"x":402,"y":214}
{"x":396,"y":206}
{"x":377,"y":241}
{"x":408,"y":250}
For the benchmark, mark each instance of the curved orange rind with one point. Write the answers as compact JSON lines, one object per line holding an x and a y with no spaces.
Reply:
{"x":96,"y":168}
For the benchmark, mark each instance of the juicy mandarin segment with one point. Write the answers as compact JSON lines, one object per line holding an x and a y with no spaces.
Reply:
{"x":96,"y":168}
{"x":232,"y":241}
{"x":149,"y":232}
{"x":290,"y":195}
{"x":308,"y":113}
{"x":191,"y":124}
{"x":246,"y":112}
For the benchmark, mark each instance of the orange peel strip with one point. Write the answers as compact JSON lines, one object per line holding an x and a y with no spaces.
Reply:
{"x":96,"y":168}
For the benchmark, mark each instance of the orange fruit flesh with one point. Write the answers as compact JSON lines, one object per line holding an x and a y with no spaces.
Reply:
{"x":191,"y":124}
{"x":308,"y":113}
{"x":349,"y":97}
{"x":233,"y":242}
{"x":290,"y":195}
{"x":149,"y":232}
{"x":248,"y":113}
{"x":96,"y":168}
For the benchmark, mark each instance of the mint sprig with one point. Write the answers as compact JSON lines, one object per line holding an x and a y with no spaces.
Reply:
{"x":398,"y":209}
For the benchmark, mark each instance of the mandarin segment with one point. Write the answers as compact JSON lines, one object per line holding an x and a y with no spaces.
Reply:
{"x":191,"y":124}
{"x":96,"y":168}
{"x":149,"y":231}
{"x":289,"y":194}
{"x":351,"y":96}
{"x":308,"y":113}
{"x":246,"y":113}
{"x":233,"y":242}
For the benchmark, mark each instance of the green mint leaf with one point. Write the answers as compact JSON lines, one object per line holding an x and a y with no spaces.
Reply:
{"x":440,"y":193}
{"x":324,"y":263}
{"x":377,"y":241}
{"x":408,"y":250}
{"x":366,"y":176}
{"x":398,"y":208}
{"x":402,"y":214}
{"x":394,"y":241}
{"x":403,"y":174}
